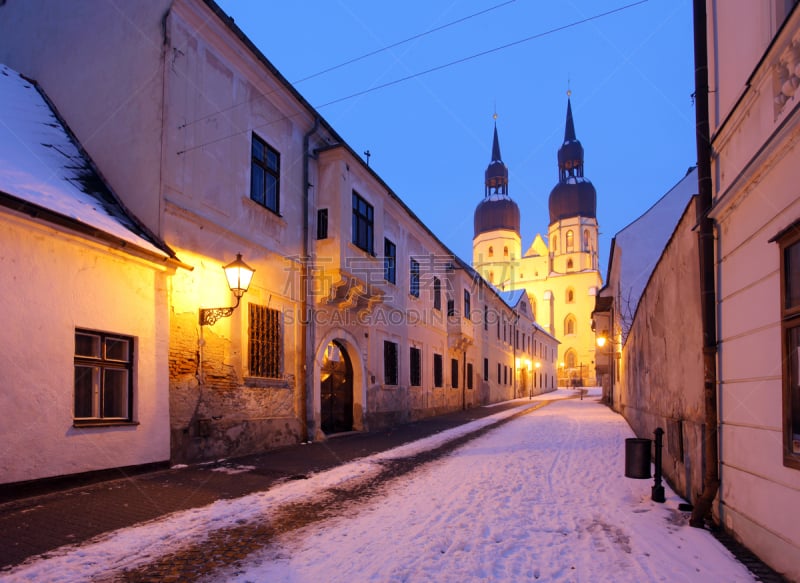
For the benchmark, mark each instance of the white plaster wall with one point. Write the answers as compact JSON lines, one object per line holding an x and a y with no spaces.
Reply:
{"x":100,"y":62}
{"x":756,"y":185}
{"x":52,"y":283}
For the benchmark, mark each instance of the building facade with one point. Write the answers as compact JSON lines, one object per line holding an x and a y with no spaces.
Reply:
{"x":561,"y":276}
{"x":731,"y":428}
{"x":83,"y":345}
{"x":357,"y":316}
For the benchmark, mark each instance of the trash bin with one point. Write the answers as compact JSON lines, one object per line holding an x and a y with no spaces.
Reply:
{"x":637,"y":458}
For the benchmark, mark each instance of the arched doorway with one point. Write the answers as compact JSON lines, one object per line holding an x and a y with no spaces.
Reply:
{"x":336,"y":390}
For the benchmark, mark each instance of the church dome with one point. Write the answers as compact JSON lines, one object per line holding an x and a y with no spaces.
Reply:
{"x":575,"y":198}
{"x":574,"y":195}
{"x":496,"y":210}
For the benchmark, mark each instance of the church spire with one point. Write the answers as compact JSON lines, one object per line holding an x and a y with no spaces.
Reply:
{"x":569,"y":130}
{"x":497,"y":172}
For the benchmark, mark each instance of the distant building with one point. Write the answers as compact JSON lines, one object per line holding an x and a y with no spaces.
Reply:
{"x":561,"y":276}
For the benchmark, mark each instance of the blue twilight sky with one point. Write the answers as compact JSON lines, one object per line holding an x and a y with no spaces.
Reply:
{"x":631,"y":74}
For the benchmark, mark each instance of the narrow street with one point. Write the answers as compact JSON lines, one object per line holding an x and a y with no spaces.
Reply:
{"x":533,"y":493}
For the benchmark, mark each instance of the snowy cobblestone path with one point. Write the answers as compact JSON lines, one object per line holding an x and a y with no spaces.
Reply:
{"x":226,"y":548}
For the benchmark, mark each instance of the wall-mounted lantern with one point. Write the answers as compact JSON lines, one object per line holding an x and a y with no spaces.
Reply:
{"x":239,"y":275}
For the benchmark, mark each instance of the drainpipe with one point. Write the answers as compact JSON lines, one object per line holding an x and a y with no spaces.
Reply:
{"x":306,"y":305}
{"x":702,"y":508}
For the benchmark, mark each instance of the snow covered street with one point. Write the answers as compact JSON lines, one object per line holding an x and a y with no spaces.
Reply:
{"x":542,"y":497}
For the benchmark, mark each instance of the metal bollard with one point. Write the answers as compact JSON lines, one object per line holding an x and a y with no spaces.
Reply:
{"x":658,"y":489}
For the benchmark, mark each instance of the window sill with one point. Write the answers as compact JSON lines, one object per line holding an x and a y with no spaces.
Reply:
{"x":266,"y":383}
{"x":88,"y":423}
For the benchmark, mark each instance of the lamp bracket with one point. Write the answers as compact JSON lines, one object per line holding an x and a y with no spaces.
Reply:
{"x":209,"y":316}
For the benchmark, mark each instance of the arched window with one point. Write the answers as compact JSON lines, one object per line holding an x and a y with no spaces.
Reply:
{"x":554,"y":243}
{"x":505,"y":251}
{"x":586,"y":239}
{"x":491,"y":277}
{"x":570,"y":295}
{"x":491,"y":251}
{"x":569,"y":264}
{"x":569,"y":325}
{"x":571,"y":359}
{"x":570,"y":241}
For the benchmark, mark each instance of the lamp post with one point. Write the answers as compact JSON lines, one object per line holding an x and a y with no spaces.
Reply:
{"x":239,"y":275}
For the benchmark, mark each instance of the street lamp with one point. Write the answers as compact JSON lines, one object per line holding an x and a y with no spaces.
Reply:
{"x":239,"y":275}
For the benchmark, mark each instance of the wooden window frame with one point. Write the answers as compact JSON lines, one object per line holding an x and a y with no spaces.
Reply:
{"x":267,"y":164}
{"x":101,"y":362}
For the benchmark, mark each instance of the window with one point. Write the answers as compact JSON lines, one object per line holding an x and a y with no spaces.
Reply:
{"x":467,"y":305}
{"x":571,"y":359}
{"x":570,"y":241}
{"x":389,"y":261}
{"x":413,"y":287}
{"x":499,"y":374}
{"x":451,"y":307}
{"x":486,"y":369}
{"x":415,"y":366}
{"x":790,"y":324}
{"x":569,"y":264}
{"x":265,"y":175}
{"x":569,"y":324}
{"x":454,"y":372}
{"x":265,"y":343}
{"x":486,"y":317}
{"x":505,"y":375}
{"x":586,"y":239}
{"x":491,"y":277}
{"x":570,"y":295}
{"x":469,"y":376}
{"x":491,"y":251}
{"x":437,"y":370}
{"x":505,"y":251}
{"x":437,"y":294}
{"x":389,"y":363}
{"x":103,"y":377}
{"x":363,"y":224}
{"x":322,"y":223}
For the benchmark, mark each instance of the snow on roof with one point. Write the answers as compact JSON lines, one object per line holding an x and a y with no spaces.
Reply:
{"x":42,"y":164}
{"x":511,"y":298}
{"x":643,"y":241}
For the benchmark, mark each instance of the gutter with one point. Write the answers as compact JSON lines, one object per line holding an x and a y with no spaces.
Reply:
{"x":705,"y":234}
{"x":306,"y":321}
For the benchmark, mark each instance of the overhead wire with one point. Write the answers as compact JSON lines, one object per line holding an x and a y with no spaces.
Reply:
{"x":356,"y":59}
{"x":431,"y":70}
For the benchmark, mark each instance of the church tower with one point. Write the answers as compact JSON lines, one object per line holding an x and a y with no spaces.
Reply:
{"x":560,"y":273}
{"x":496,"y":244}
{"x":573,"y":209}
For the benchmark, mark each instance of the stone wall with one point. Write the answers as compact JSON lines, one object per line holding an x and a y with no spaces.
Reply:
{"x":661,"y":379}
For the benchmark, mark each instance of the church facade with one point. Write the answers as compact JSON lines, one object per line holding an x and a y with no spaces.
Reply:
{"x":561,"y":273}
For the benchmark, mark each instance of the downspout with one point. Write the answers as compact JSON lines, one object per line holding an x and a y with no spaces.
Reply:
{"x":306,"y":306}
{"x":702,"y":507}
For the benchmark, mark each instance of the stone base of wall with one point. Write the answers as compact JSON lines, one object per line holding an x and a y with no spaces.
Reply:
{"x":209,"y":439}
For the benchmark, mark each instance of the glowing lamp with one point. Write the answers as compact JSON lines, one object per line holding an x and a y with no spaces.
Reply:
{"x":239,"y":276}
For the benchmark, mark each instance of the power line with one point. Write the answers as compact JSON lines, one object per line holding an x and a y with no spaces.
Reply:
{"x":402,"y":42}
{"x":481,"y":54}
{"x":354,"y":60}
{"x":427,"y":71}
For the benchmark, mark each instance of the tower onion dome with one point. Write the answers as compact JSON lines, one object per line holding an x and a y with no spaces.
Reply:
{"x":574,"y":195}
{"x":496,"y":210}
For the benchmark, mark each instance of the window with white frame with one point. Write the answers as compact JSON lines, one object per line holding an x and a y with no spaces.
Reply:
{"x":103,"y":377}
